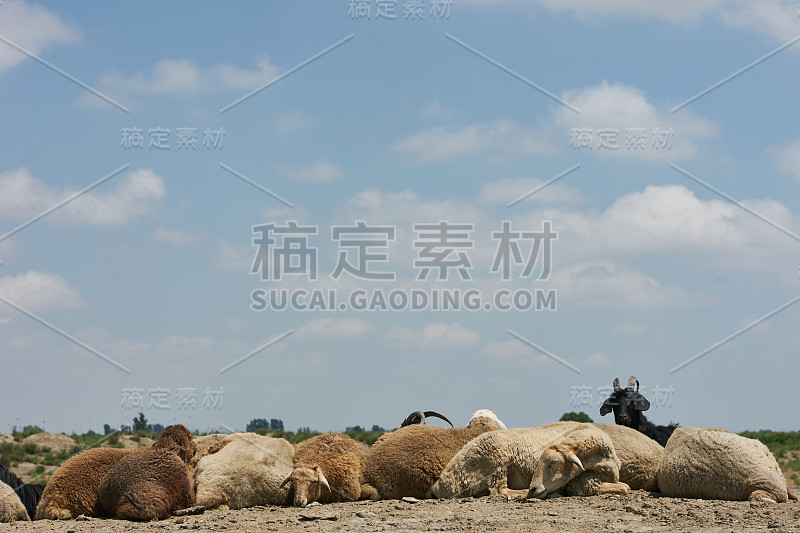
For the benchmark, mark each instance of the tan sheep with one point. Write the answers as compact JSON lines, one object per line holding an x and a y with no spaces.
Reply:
{"x":244,"y":472}
{"x":717,"y":464}
{"x":584,"y":463}
{"x":151,"y":484}
{"x":73,"y":489}
{"x":406,"y":462}
{"x":213,"y":442}
{"x":501,"y":462}
{"x":11,"y":508}
{"x":329,"y":468}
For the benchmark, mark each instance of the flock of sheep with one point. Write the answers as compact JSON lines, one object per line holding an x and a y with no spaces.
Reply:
{"x":417,"y":460}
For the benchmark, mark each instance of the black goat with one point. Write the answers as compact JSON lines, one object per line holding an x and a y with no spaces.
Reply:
{"x":418,"y":417}
{"x":628,"y":405}
{"x":28,"y":493}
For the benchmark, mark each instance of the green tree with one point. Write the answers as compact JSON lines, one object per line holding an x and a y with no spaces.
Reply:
{"x":276,"y":424}
{"x":140,"y":423}
{"x":575,"y":417}
{"x":257,"y":423}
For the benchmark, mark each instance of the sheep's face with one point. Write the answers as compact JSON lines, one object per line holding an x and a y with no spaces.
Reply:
{"x":627,"y":405}
{"x":557,"y":466}
{"x":308,"y":483}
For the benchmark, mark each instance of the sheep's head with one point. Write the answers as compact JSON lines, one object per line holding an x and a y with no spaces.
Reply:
{"x":178,"y":439}
{"x":626,"y":403}
{"x":485,"y":417}
{"x":308,"y":483}
{"x":557,"y":467}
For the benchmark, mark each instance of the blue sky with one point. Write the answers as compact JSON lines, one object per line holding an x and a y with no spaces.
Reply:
{"x":400,"y":124}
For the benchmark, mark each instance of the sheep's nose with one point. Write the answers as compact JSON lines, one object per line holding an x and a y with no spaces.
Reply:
{"x":535,"y":491}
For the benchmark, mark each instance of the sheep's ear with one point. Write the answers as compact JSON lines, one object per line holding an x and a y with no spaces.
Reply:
{"x":605,"y":408}
{"x":321,"y":479}
{"x":572,"y":458}
{"x":616,"y":383}
{"x":285,"y":481}
{"x":641,"y":403}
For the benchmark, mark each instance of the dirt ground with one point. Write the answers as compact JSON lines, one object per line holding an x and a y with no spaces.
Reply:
{"x":639,"y":511}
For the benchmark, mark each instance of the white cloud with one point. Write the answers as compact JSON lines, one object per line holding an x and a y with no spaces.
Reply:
{"x":510,"y":349}
{"x":629,"y":329}
{"x":171,"y":236}
{"x":506,"y":190}
{"x":235,"y":256}
{"x":133,"y":195}
{"x":294,"y":121}
{"x":435,"y":336}
{"x":776,"y":18}
{"x":598,"y":359}
{"x":445,"y":143}
{"x":787,"y":159}
{"x":317,"y":172}
{"x":438,"y":111}
{"x":625,"y":108}
{"x":39,"y":291}
{"x":675,"y":11}
{"x":324,"y":329}
{"x":181,"y":76}
{"x":32,"y":27}
{"x":603,"y":283}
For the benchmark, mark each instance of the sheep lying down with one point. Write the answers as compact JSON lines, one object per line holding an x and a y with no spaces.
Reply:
{"x":720,"y":465}
{"x":574,"y":459}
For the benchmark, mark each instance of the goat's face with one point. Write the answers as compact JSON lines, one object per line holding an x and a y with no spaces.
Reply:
{"x":308,"y":483}
{"x":627,"y":405}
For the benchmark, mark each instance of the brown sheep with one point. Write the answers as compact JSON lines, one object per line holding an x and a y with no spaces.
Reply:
{"x":149,"y":485}
{"x":406,"y":462}
{"x":328,"y":468}
{"x":73,"y":489}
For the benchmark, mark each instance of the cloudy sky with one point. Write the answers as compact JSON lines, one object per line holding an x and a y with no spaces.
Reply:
{"x":143,"y":142}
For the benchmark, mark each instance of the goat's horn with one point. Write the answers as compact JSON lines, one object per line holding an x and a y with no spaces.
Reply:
{"x":417,"y":417}
{"x":616,"y":383}
{"x":437,"y":415}
{"x":633,"y":382}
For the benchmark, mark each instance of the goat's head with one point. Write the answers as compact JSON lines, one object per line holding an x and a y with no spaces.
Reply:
{"x":308,"y":482}
{"x":626,"y":403}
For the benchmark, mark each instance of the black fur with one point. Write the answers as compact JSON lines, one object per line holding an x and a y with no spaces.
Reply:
{"x":29,"y":494}
{"x":628,"y":405}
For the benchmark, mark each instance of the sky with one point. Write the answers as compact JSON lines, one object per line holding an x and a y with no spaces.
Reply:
{"x":604,"y":188}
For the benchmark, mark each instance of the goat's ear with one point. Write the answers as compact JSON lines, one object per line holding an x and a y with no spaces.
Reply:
{"x":641,"y":403}
{"x":605,"y":408}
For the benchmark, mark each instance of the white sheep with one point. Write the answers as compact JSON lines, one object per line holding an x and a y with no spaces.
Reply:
{"x":11,"y":508}
{"x":718,"y":464}
{"x":407,"y":461}
{"x":500,"y":462}
{"x":639,"y":455}
{"x":245,"y":472}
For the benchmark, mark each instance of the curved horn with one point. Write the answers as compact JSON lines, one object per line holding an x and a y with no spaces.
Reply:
{"x":437,"y":415}
{"x":285,"y":481}
{"x":633,"y":382}
{"x":616,"y":383}
{"x":321,"y":479}
{"x":572,"y":458}
{"x":417,"y":417}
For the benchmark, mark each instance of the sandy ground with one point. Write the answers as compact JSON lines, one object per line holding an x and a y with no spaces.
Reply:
{"x":639,"y":511}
